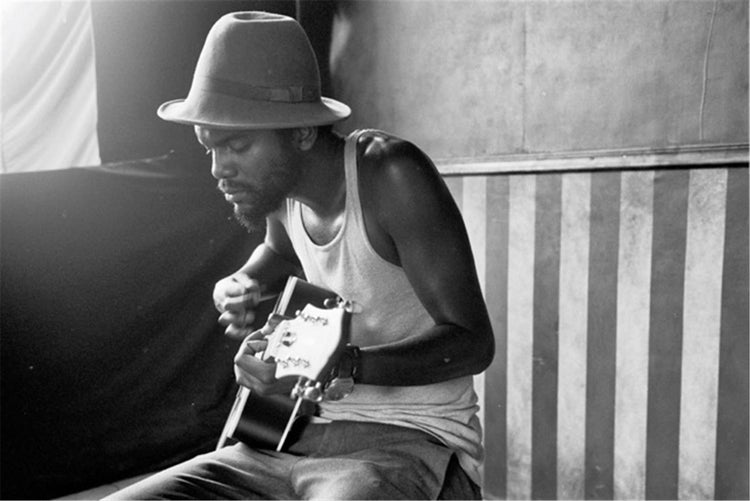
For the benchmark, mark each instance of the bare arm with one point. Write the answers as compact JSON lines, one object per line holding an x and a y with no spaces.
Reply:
{"x":411,"y":208}
{"x":237,"y":295}
{"x":273,"y":260}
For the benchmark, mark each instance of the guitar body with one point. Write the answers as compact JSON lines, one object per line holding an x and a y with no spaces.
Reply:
{"x":261,"y":421}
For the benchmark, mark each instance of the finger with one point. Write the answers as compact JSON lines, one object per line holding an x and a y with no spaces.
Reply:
{"x":240,"y":319}
{"x":245,"y":379}
{"x":234,"y":287}
{"x":228,"y":318}
{"x":262,"y":385}
{"x":256,"y":386}
{"x":237,"y":333}
{"x":253,"y":369}
{"x":252,"y":346}
{"x":261,"y":379}
{"x":244,"y":281}
{"x":250,"y":288}
{"x":226,"y":288}
{"x":246,"y":299}
{"x":257,"y":335}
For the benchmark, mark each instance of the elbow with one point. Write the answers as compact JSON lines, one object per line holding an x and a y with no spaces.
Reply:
{"x":487,"y":353}
{"x":484,"y":351}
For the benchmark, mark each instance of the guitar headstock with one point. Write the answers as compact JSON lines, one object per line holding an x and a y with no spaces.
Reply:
{"x":308,"y":345}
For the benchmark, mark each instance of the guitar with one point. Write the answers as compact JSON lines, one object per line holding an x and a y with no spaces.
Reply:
{"x":305,"y":336}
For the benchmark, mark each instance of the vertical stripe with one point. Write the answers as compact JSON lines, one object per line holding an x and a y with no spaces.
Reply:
{"x":732,"y":426}
{"x":573,"y":312}
{"x":495,"y":465}
{"x":665,"y":342}
{"x":546,"y":297}
{"x":702,"y":325}
{"x":475,"y":215}
{"x":456,"y":187}
{"x":633,"y":313}
{"x":520,"y":333}
{"x":601,"y":360}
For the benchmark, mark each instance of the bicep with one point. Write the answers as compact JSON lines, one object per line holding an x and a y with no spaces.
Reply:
{"x":278,"y":240}
{"x":430,"y":237}
{"x":274,"y":259}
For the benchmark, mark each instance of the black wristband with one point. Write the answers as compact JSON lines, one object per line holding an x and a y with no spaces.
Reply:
{"x":348,"y":365}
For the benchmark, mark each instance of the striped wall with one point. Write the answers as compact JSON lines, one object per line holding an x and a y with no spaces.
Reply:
{"x":619,"y":301}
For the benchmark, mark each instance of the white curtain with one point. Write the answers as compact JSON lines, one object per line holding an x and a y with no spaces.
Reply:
{"x":49,"y":111}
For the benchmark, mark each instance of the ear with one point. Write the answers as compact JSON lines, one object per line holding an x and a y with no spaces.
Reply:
{"x":304,"y":137}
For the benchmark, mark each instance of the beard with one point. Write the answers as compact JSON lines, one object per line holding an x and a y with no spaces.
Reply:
{"x":263,"y":198}
{"x":252,"y":220}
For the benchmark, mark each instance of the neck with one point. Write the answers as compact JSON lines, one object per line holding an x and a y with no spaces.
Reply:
{"x":323,"y":186}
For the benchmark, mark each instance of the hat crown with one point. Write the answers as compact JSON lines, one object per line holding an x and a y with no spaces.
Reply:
{"x":261,"y":55}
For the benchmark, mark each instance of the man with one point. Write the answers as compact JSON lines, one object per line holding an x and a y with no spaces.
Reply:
{"x":369,"y":217}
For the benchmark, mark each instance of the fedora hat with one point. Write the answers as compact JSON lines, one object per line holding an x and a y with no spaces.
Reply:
{"x":257,"y":70}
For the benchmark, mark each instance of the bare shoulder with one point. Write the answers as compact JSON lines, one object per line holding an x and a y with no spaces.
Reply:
{"x":277,"y":238}
{"x":407,"y":206}
{"x":392,"y":167}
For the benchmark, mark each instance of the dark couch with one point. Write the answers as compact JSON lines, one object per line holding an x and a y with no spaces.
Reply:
{"x":112,"y":361}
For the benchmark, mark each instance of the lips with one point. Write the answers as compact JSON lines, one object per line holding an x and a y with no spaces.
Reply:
{"x":233,"y":193}
{"x":239,"y":197}
{"x":234,"y":196}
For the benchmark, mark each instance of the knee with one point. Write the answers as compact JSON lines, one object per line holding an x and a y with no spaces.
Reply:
{"x":365,"y":481}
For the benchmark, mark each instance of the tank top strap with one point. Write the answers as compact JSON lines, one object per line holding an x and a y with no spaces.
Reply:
{"x":350,"y":170}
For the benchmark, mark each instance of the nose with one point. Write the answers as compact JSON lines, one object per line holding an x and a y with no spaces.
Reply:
{"x":220,"y":168}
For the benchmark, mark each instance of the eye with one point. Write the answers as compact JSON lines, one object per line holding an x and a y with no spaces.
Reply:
{"x":239,"y":145}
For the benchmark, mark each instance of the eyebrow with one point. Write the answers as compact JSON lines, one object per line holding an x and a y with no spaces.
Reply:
{"x":223,"y":140}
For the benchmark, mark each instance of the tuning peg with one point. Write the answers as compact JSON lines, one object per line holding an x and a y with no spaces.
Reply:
{"x":338,"y":302}
{"x":313,"y":393}
{"x":298,"y":389}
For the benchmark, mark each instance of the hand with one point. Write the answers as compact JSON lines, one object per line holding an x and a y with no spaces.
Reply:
{"x":236,"y":297}
{"x":257,"y":374}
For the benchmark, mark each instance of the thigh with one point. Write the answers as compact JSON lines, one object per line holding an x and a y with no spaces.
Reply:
{"x":371,"y":461}
{"x":235,"y":472}
{"x":349,"y":478}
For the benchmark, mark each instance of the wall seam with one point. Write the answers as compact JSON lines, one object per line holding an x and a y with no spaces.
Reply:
{"x":705,"y":71}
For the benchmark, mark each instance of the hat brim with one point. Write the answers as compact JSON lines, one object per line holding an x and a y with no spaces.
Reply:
{"x":227,"y":112}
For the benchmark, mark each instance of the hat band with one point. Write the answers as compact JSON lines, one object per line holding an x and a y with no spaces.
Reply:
{"x":290,"y":94}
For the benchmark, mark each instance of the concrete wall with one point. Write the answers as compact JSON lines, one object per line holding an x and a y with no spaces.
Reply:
{"x":484,"y":78}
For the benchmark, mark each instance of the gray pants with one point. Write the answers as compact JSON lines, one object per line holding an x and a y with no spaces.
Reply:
{"x":339,"y":460}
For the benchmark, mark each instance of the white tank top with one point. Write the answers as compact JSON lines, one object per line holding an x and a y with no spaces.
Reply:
{"x":388,"y":310}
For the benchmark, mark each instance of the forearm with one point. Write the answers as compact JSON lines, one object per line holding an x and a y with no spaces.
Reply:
{"x":444,"y":352}
{"x":269,"y":268}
